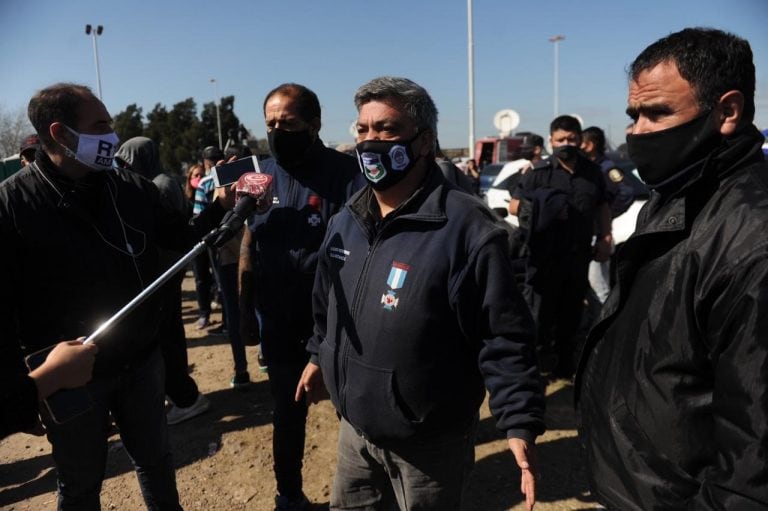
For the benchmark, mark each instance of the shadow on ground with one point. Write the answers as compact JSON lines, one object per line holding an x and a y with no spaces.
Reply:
{"x":191,"y":441}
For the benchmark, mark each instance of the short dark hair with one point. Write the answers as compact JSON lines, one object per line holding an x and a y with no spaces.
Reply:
{"x":565,"y":123}
{"x":307,"y":104}
{"x":712,"y":61}
{"x":596,"y":136}
{"x":58,"y":103}
{"x":531,"y":139}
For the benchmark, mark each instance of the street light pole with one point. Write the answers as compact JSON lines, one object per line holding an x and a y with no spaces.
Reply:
{"x":556,"y":39}
{"x":218,"y":113}
{"x":471,"y":74}
{"x":93,"y":33}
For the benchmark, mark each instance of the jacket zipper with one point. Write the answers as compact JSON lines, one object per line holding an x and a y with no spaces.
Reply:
{"x":359,"y":287}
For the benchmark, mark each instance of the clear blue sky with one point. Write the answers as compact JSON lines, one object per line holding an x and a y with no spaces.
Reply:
{"x":164,"y":51}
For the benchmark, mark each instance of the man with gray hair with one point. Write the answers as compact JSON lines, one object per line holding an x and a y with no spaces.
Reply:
{"x":415,"y":308}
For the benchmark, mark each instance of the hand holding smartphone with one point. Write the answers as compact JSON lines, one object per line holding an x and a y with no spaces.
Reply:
{"x":229,"y":173}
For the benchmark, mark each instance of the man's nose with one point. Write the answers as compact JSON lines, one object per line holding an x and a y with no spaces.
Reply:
{"x":641,"y":125}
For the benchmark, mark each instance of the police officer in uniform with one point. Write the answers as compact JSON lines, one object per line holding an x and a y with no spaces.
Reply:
{"x":562,"y":205}
{"x":619,"y":195}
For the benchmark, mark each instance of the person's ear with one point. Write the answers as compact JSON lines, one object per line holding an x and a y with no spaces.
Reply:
{"x":424,"y":143}
{"x":730,"y":109}
{"x":314,"y":127}
{"x":61,"y":135}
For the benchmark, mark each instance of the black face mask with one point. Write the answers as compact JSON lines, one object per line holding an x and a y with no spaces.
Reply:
{"x":565,"y":152}
{"x":385,"y":163}
{"x":663,"y":154}
{"x":289,"y":147}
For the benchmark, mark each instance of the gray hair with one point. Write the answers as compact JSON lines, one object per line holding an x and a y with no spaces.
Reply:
{"x":414,"y":98}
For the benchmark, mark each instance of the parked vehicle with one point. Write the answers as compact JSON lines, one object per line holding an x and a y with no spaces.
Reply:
{"x":497,"y":196}
{"x":491,"y":150}
{"x":488,"y":176}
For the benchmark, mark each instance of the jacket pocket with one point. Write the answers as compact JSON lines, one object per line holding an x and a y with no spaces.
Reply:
{"x":663,"y":481}
{"x":371,"y":402}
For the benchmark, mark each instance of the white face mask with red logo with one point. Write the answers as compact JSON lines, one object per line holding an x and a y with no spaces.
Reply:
{"x":94,"y":151}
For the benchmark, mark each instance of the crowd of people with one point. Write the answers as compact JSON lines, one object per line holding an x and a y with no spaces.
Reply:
{"x":381,"y":281}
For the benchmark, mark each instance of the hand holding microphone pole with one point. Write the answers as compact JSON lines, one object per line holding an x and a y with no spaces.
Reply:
{"x":253,"y":194}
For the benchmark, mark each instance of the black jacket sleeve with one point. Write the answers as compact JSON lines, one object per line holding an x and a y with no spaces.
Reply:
{"x":737,"y":473}
{"x":18,"y":403}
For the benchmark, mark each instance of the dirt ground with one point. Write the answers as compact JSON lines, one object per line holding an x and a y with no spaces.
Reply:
{"x":224,"y":457}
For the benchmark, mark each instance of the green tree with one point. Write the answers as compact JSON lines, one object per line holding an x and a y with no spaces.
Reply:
{"x":156,"y":129}
{"x":179,"y":132}
{"x":128,"y":123}
{"x":183,"y":132}
{"x":230,"y":124}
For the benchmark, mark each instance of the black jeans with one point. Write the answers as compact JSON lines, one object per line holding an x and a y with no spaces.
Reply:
{"x":201,"y":266}
{"x":228,"y":281}
{"x":289,"y":420}
{"x":557,"y":303}
{"x":179,"y":385}
{"x":135,"y":399}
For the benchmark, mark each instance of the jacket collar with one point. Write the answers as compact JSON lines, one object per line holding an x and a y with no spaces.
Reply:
{"x":735,"y":152}
{"x":426,"y":204}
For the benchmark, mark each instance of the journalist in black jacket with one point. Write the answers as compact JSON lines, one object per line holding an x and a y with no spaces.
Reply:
{"x":80,"y":240}
{"x":75,"y":252}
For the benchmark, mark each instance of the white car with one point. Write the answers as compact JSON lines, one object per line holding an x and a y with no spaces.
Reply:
{"x":497,"y":196}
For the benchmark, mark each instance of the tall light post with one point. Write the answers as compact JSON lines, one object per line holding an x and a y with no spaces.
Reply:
{"x":471,"y":74}
{"x":556,"y":39}
{"x":93,"y":32}
{"x":218,"y":113}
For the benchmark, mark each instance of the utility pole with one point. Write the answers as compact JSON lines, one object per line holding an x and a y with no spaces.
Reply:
{"x":556,"y":39}
{"x":471,"y":75}
{"x":218,"y":112}
{"x":93,"y":33}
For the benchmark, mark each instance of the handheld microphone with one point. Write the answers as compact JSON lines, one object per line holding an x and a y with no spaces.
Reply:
{"x":253,"y":193}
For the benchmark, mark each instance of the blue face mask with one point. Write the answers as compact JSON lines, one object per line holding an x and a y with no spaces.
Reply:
{"x":384,"y":163}
{"x":94,"y":151}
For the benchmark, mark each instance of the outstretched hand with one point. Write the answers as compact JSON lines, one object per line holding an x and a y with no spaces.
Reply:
{"x":525,"y":456}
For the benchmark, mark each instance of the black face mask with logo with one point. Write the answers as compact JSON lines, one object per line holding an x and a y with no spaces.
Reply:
{"x":662,"y":155}
{"x":289,"y":147}
{"x":384,"y":163}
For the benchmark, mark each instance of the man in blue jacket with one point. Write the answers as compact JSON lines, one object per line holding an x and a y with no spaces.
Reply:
{"x":415,"y":308}
{"x":277,"y":264}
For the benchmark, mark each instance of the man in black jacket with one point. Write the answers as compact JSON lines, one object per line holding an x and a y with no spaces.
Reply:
{"x":673,"y":388}
{"x":568,"y":208}
{"x":80,"y":240}
{"x":415,"y":309}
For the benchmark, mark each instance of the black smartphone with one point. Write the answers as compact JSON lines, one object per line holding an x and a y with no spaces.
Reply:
{"x":64,"y":404}
{"x":229,"y":173}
